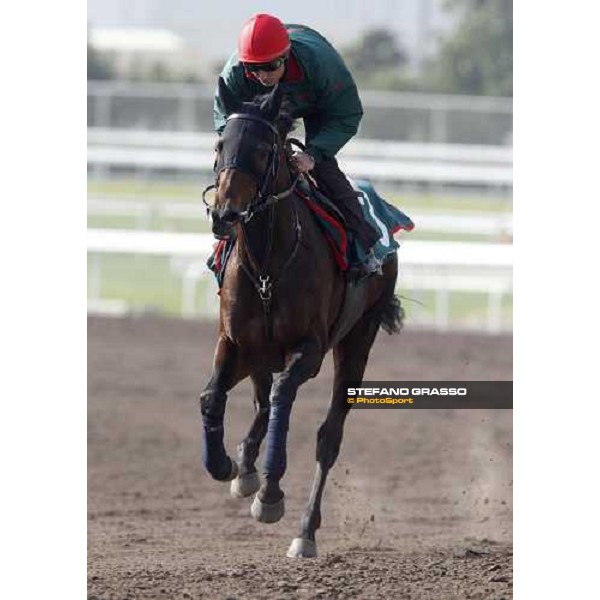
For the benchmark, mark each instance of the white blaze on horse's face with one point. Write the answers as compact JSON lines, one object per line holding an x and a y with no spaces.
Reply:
{"x":236,"y":190}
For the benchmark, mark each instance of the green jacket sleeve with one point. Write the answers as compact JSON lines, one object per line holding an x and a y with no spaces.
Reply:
{"x":338,"y":119}
{"x":233,"y":74}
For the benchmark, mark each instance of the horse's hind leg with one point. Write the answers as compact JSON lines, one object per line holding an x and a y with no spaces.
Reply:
{"x":248,"y":482}
{"x":350,"y":359}
{"x":228,"y":370}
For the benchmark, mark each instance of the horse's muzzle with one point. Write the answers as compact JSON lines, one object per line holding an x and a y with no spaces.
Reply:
{"x":223,"y":222}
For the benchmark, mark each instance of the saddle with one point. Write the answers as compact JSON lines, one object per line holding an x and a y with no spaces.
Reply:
{"x":309,"y":186}
{"x":347,"y":252}
{"x":380,"y":214}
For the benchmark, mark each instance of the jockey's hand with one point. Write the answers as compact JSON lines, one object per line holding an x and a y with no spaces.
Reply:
{"x":303,"y":162}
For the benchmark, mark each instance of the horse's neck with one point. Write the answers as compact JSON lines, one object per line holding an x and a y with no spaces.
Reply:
{"x":268,"y":242}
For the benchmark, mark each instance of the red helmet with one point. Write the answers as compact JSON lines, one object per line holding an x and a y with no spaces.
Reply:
{"x":263,"y":38}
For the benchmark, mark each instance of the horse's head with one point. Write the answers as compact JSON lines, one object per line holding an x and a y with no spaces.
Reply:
{"x":248,"y":154}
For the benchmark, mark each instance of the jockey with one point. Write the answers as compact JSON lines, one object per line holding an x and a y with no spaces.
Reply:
{"x":320,"y":89}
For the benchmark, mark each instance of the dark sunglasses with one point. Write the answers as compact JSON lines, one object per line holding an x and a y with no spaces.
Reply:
{"x":268,"y":67}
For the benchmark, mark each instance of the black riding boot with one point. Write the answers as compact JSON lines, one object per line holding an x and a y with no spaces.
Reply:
{"x":333,"y":183}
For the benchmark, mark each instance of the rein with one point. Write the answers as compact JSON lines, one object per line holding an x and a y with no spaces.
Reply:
{"x":258,"y":274}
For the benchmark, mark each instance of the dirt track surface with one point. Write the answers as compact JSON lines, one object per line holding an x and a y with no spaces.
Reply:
{"x":419,"y":504}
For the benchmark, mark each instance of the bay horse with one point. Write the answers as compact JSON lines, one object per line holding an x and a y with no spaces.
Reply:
{"x":281,"y":295}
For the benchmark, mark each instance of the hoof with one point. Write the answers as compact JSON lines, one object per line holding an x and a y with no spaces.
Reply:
{"x":245,"y":485}
{"x":233,"y":473}
{"x":267,"y":513}
{"x":302,"y":548}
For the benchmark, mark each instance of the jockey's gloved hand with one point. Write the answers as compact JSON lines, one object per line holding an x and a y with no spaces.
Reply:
{"x":303,"y":162}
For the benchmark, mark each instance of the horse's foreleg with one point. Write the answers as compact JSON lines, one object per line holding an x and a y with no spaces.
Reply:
{"x":247,"y":482}
{"x":350,"y":359}
{"x":302,"y":364}
{"x":227,"y":371}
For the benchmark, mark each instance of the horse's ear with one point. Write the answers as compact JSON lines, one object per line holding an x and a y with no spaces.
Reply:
{"x":229,"y":102}
{"x":271,"y":105}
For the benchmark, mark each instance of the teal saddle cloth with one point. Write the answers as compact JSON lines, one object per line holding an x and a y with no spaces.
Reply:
{"x":383,"y":217}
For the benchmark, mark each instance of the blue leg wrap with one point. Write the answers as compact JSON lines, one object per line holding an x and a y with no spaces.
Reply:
{"x":275,"y":457}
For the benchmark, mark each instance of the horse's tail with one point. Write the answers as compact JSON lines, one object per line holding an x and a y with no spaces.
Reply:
{"x":388,"y":309}
{"x":392,"y":313}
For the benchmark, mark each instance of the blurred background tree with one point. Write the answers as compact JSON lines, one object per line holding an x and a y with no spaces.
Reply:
{"x":378,"y":60}
{"x":477,"y":57}
{"x":376,"y":49}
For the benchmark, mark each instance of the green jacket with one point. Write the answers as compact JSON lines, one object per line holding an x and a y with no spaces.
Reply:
{"x":317,"y":85}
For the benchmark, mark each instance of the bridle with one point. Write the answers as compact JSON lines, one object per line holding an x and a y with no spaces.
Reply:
{"x":263,"y":199}
{"x":257,"y":273}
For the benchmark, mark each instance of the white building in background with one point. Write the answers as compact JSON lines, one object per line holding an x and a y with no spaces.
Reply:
{"x":137,"y":50}
{"x":136,"y":39}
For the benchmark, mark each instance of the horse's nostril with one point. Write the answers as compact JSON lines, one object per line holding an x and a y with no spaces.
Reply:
{"x":229,"y":216}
